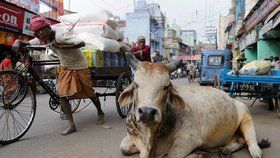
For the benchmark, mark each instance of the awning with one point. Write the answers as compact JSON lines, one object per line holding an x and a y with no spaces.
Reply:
{"x":251,"y":38}
{"x":267,"y":27}
{"x":276,"y":21}
{"x":190,"y":57}
{"x":272,"y":14}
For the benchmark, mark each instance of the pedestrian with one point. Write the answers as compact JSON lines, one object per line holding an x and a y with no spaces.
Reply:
{"x":6,"y":63}
{"x":74,"y":80}
{"x":191,"y":68}
{"x":142,"y":51}
{"x":158,"y":57}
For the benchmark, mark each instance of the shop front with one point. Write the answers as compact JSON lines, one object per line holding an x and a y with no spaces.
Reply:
{"x":261,"y":41}
{"x":14,"y":24}
{"x":269,"y":36}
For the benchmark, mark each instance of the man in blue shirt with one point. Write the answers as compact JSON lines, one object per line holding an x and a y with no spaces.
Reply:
{"x":158,"y":57}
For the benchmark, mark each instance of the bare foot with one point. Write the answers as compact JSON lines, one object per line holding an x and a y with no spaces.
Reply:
{"x":69,"y":130}
{"x":100,"y":119}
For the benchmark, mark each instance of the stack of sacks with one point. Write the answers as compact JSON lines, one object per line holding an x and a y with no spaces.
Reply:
{"x":99,"y":23}
{"x":257,"y":67}
{"x":99,"y":31}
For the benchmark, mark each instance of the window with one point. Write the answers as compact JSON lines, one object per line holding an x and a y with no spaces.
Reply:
{"x":215,"y":60}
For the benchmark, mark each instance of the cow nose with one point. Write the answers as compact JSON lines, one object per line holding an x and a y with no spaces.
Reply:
{"x":147,"y":114}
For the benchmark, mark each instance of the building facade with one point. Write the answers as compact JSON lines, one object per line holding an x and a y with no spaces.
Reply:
{"x":255,"y":30}
{"x":189,"y":37}
{"x":147,"y":20}
{"x":174,"y":45}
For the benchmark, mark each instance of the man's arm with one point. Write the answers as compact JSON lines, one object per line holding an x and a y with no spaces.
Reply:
{"x":146,"y":52}
{"x":18,"y":44}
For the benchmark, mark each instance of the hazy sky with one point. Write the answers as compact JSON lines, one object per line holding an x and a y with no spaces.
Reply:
{"x":189,"y":14}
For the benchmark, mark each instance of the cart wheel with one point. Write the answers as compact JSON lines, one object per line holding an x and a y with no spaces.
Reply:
{"x":122,"y":83}
{"x":17,"y":106}
{"x":270,"y":104}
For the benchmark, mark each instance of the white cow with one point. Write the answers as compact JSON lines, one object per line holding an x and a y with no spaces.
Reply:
{"x":172,"y":121}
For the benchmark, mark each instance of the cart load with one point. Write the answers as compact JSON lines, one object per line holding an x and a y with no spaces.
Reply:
{"x":257,"y":67}
{"x":101,"y":34}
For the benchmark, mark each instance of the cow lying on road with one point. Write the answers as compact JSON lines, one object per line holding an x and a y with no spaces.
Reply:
{"x":172,"y":121}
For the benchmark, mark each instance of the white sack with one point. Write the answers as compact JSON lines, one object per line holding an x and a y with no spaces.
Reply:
{"x":96,"y":28}
{"x":100,"y":43}
{"x":93,"y":16}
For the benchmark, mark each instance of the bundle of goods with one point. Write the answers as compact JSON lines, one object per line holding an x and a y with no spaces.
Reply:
{"x":100,"y":32}
{"x":257,"y":67}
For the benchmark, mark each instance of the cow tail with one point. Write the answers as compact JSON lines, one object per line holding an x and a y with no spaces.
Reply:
{"x":264,"y":143}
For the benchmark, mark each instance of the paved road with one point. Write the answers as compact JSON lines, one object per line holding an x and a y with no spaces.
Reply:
{"x":43,"y":140}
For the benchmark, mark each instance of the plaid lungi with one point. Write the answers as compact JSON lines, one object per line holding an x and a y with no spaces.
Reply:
{"x":75,"y":84}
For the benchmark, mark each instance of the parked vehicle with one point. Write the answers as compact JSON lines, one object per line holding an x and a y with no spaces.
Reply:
{"x":213,"y":62}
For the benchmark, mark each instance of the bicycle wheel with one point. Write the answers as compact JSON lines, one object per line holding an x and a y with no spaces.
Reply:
{"x":122,"y":83}
{"x":17,"y":106}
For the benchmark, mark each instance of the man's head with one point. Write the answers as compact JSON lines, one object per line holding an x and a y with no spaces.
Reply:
{"x":141,"y":41}
{"x":40,"y":26}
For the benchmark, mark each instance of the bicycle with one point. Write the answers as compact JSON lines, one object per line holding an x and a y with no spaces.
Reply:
{"x":18,"y":98}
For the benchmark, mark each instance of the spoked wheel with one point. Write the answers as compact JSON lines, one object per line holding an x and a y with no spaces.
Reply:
{"x":75,"y":103}
{"x":17,"y":106}
{"x":122,"y":83}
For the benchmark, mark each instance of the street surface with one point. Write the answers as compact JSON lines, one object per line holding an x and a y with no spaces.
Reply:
{"x":43,"y":140}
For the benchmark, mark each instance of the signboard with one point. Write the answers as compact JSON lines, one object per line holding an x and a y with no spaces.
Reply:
{"x":52,"y":3}
{"x":31,"y":5}
{"x":26,"y":24}
{"x":189,"y":57}
{"x":231,"y":40}
{"x":266,"y":7}
{"x":11,"y":18}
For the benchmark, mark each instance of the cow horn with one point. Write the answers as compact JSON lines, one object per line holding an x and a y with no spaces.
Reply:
{"x":174,"y":65}
{"x":132,"y":60}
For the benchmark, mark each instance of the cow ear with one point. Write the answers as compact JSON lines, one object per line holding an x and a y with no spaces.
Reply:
{"x":126,"y":96}
{"x":176,"y":100}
